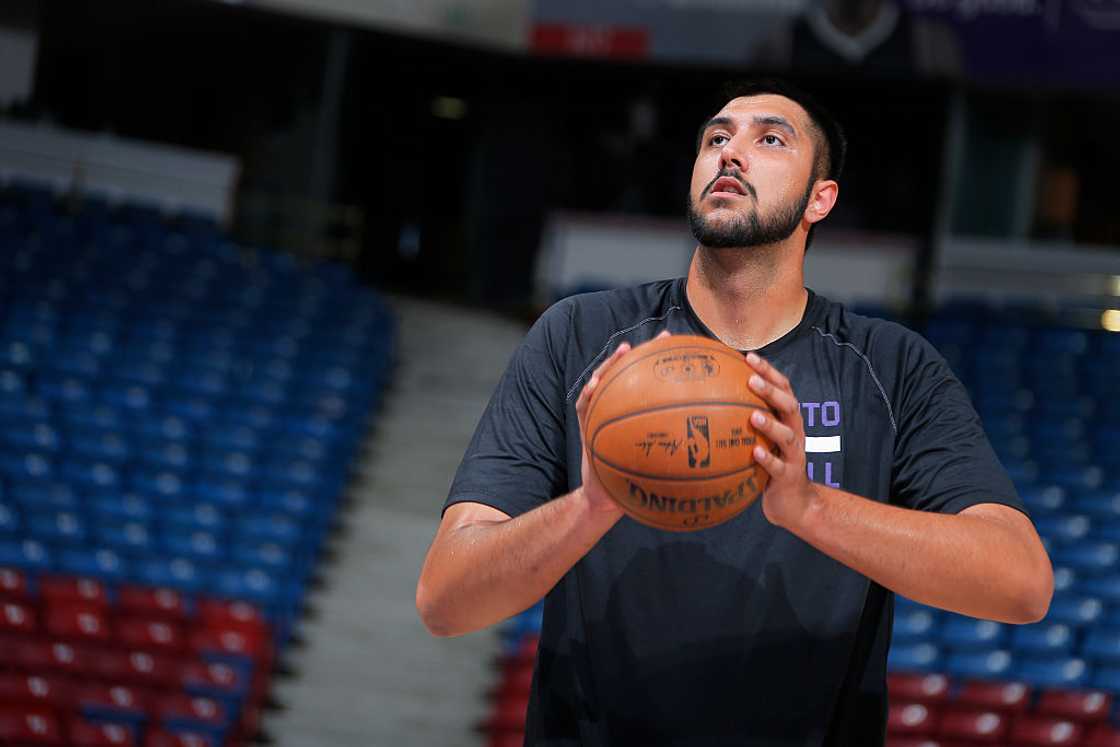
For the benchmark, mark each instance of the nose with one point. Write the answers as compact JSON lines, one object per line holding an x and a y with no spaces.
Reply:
{"x":731,"y":156}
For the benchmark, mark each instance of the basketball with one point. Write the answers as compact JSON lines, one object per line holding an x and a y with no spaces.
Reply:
{"x":669,"y":435}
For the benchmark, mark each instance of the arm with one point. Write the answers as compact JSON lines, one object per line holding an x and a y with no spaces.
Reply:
{"x":484,"y":566}
{"x":986,"y":561}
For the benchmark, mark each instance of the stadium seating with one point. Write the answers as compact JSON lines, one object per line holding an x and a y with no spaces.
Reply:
{"x":178,"y":416}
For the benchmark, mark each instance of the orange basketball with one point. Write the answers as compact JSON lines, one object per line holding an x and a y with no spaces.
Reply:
{"x":669,"y":433}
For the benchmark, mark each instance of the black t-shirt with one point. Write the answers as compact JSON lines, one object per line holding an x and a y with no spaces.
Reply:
{"x":740,"y":634}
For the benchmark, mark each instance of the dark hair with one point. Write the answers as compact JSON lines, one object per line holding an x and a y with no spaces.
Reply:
{"x":831,"y":145}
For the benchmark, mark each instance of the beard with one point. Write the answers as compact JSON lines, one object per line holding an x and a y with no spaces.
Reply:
{"x":748,"y":228}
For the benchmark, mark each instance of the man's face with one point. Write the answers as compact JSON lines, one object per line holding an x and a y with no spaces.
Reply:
{"x":753,"y":175}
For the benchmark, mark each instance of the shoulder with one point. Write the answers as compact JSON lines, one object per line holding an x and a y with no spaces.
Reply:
{"x":898,"y":361}
{"x":605,"y":313}
{"x":884,"y":343}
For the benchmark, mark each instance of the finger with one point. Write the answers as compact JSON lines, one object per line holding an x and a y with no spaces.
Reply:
{"x":663,"y":333}
{"x":768,"y":372}
{"x":589,"y":387}
{"x":620,"y":351}
{"x":779,"y":433}
{"x":769,"y":462}
{"x":781,"y":400}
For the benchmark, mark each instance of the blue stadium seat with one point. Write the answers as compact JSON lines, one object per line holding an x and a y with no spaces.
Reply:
{"x":279,"y":560}
{"x":1066,"y":672}
{"x":117,"y":507}
{"x":1043,"y":498}
{"x":959,"y":633}
{"x":1105,"y":678}
{"x":104,"y":564}
{"x":1052,"y":639}
{"x":34,"y":435}
{"x":166,"y":454}
{"x":980,"y":665}
{"x":1102,"y":644}
{"x":226,"y":493}
{"x":195,"y":516}
{"x":1105,"y":588}
{"x":133,"y":538}
{"x":1088,"y":557}
{"x":176,"y":573}
{"x":21,"y":464}
{"x":26,"y":554}
{"x":202,"y":546}
{"x":10,"y":522}
{"x":58,"y":527}
{"x":1064,"y":528}
{"x":99,"y":445}
{"x":44,"y":494}
{"x":1075,"y":609}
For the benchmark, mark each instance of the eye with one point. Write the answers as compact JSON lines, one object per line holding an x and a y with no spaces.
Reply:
{"x":772,"y":139}
{"x":718,"y":139}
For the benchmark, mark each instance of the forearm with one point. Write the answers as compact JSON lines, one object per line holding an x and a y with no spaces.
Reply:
{"x":964,"y":563}
{"x":481,"y":573}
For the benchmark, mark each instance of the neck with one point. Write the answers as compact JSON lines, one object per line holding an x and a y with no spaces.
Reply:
{"x":747,"y":297}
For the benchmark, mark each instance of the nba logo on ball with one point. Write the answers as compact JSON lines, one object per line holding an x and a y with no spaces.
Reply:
{"x":699,"y":442}
{"x":669,"y":437}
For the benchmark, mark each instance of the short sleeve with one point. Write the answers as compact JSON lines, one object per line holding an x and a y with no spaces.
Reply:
{"x":943,"y":460}
{"x":516,"y":459}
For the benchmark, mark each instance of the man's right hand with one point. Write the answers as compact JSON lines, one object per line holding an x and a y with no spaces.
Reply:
{"x":592,"y":490}
{"x":596,"y":495}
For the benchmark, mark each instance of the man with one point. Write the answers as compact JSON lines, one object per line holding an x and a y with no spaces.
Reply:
{"x":773,"y":628}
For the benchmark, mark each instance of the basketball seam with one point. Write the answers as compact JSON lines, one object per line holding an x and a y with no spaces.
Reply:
{"x":870,"y":370}
{"x":661,"y":408}
{"x":610,"y":339}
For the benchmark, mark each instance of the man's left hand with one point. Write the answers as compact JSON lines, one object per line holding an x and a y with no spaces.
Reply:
{"x":790,"y":493}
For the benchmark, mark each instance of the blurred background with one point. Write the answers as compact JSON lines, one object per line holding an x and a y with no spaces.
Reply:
{"x":263,"y":261}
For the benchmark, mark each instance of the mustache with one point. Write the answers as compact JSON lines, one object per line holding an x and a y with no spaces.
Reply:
{"x":733,"y":174}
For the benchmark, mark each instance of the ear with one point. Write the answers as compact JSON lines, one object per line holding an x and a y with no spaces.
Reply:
{"x":825,"y":193}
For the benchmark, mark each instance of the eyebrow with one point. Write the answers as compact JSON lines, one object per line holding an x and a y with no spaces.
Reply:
{"x":770,"y":120}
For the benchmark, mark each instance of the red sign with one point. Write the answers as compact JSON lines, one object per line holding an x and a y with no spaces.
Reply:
{"x":590,"y":41}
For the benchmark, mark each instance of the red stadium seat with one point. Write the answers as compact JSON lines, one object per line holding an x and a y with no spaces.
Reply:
{"x":515,"y":681}
{"x":1006,"y":697}
{"x":140,"y":667}
{"x":34,"y":688}
{"x":508,"y":714}
{"x":156,"y":604}
{"x":924,"y":742}
{"x":81,"y":622}
{"x":1038,"y":731}
{"x":157,"y":635}
{"x":158,"y":738}
{"x":33,"y":725}
{"x":217,"y":613}
{"x":60,"y":657}
{"x":13,"y":585}
{"x":111,"y":700}
{"x":16,"y":617}
{"x":507,"y":739}
{"x":84,"y":734}
{"x":988,"y":727}
{"x":1102,"y":735}
{"x":230,"y":642}
{"x":63,"y":591}
{"x":10,"y":654}
{"x":180,"y":707}
{"x":1084,"y":706}
{"x":213,"y":678}
{"x":911,"y":719}
{"x":918,"y":688}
